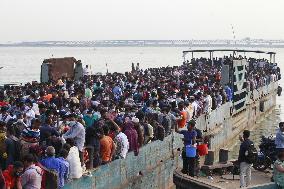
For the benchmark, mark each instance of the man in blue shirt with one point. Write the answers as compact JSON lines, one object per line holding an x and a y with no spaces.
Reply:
{"x":229,"y":93}
{"x":77,"y":133}
{"x":65,"y":167}
{"x":54,"y":164}
{"x":117,"y":90}
{"x":47,"y":130}
{"x":189,"y":138}
{"x":279,"y":140}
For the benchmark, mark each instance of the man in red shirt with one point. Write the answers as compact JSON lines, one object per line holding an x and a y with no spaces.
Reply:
{"x":12,"y":175}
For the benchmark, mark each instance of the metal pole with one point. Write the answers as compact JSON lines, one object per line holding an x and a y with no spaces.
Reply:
{"x":212,"y":58}
{"x":274,"y":58}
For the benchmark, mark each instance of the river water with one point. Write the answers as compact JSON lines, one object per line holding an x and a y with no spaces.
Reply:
{"x":23,"y":65}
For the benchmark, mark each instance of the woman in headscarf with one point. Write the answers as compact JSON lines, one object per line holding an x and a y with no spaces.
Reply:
{"x":132,"y":137}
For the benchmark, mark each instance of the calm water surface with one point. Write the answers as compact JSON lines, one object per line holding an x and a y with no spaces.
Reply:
{"x":23,"y":65}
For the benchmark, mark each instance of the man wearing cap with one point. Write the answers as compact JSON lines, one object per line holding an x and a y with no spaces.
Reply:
{"x":54,"y":164}
{"x":279,"y":140}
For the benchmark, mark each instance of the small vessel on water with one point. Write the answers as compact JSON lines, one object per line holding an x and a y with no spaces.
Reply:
{"x":56,"y":68}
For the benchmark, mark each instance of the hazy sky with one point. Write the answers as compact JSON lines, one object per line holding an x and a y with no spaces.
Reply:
{"x":30,"y":20}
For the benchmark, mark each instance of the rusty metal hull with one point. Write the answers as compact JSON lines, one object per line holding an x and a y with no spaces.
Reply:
{"x":56,"y":68}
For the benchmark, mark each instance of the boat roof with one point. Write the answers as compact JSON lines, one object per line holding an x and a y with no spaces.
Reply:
{"x":226,"y":50}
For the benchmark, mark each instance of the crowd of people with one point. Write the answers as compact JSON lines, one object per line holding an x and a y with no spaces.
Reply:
{"x":46,"y":127}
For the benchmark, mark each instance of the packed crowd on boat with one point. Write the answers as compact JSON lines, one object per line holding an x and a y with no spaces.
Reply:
{"x":45,"y":128}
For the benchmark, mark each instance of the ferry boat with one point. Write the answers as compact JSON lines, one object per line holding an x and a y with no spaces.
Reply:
{"x":156,"y":163}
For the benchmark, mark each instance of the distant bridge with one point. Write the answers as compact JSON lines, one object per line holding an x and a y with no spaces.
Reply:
{"x":157,"y":43}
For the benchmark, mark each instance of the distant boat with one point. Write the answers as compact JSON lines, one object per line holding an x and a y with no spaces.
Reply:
{"x":1,"y":67}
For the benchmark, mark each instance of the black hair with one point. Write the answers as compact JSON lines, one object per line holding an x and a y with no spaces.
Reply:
{"x":181,"y":104}
{"x":63,"y":153}
{"x":18,"y":164}
{"x":70,"y":141}
{"x":66,"y":146}
{"x":2,"y":124}
{"x":35,"y":120}
{"x":106,"y":129}
{"x":29,"y":158}
{"x":246,"y":133}
{"x":11,"y":130}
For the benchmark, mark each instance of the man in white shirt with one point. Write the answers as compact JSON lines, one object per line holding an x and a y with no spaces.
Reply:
{"x":30,"y":114}
{"x":195,"y":106}
{"x":189,"y":110}
{"x":122,"y":145}
{"x":207,"y":103}
{"x":86,"y":71}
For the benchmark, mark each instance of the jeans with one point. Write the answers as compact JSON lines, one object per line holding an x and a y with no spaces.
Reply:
{"x":245,"y":174}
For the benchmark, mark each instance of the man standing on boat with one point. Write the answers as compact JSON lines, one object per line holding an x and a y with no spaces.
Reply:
{"x":279,"y":140}
{"x":86,"y":71}
{"x":189,"y":138}
{"x":247,"y":156}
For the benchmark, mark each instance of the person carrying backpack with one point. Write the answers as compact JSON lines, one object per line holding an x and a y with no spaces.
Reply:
{"x":247,"y":156}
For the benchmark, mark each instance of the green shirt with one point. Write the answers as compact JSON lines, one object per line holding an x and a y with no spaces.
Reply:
{"x":90,"y":120}
{"x":278,"y":176}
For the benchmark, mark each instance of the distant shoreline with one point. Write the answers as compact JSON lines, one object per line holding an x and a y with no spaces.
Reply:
{"x":244,"y":43}
{"x":166,"y":46}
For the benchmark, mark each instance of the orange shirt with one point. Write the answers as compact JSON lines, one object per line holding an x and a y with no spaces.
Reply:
{"x":47,"y":97}
{"x":182,"y":121}
{"x":106,"y":146}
